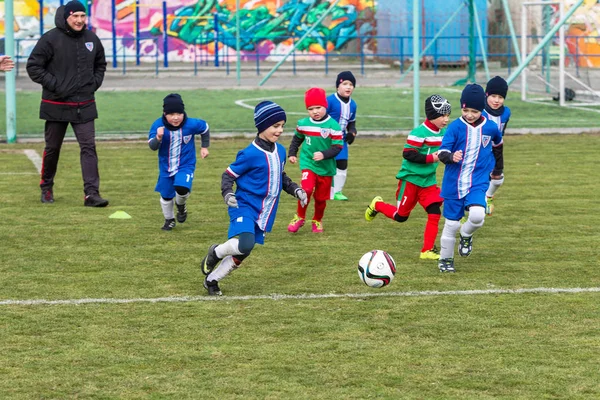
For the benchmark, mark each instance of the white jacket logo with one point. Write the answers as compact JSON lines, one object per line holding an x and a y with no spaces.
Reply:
{"x":89,"y":45}
{"x":485,"y":140}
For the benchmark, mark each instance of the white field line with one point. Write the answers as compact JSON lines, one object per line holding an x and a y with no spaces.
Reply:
{"x":19,"y":173}
{"x":35,"y":158}
{"x":277,"y":297}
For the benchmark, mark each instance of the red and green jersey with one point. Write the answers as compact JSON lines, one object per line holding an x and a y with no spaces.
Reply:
{"x":425,"y":141}
{"x":318,"y":136}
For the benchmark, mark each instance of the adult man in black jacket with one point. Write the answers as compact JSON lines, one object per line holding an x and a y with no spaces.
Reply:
{"x":69,"y":62}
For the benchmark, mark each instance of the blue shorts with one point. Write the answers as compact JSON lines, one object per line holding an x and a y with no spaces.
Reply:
{"x":246,"y":225}
{"x":343,"y":155}
{"x":166,"y":184}
{"x":454,"y":209}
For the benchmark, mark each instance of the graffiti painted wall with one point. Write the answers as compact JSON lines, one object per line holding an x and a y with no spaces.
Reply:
{"x":199,"y":28}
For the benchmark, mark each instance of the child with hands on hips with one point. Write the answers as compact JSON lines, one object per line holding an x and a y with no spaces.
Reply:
{"x":259,"y":176}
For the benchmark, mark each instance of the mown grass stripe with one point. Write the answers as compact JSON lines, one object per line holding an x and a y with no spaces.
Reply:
{"x":186,"y":299}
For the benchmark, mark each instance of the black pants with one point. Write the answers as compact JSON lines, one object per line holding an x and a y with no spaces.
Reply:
{"x":86,"y":137}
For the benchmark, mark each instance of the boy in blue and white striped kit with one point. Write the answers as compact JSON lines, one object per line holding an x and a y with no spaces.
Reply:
{"x":467,"y":152}
{"x":343,"y":109}
{"x":173,"y":136}
{"x":259,"y":176}
{"x":495,"y":110}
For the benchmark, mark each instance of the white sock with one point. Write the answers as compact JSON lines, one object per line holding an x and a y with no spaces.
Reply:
{"x":229,"y":248}
{"x":223,"y":269}
{"x":448,"y":239}
{"x":167,"y":208}
{"x":494,"y":185}
{"x":339,"y":180}
{"x":475,"y":221}
{"x":179,"y":199}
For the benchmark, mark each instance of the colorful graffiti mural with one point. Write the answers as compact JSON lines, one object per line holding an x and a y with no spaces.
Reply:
{"x":583,"y":34}
{"x":195,"y":28}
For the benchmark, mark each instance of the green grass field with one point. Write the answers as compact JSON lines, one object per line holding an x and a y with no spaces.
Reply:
{"x":380,"y":109}
{"x":295,"y":321}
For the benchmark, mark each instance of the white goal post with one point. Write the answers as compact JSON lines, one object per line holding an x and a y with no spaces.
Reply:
{"x":556,"y":76}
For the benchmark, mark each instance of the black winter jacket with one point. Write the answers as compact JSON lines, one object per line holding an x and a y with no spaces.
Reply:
{"x":70,"y":67}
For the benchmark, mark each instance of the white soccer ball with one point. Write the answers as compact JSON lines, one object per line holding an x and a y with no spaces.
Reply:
{"x":376,"y":268}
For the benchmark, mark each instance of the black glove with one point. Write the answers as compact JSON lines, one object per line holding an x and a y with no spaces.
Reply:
{"x":350,"y":138}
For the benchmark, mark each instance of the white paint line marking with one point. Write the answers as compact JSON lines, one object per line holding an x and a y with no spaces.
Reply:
{"x":35,"y":158}
{"x":188,"y":299}
{"x":19,"y":173}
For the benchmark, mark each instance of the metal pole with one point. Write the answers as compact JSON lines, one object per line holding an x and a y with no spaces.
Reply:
{"x":511,"y":28}
{"x":238,"y":67}
{"x":113,"y":20}
{"x":137,"y":32}
{"x":481,"y":44}
{"x":312,"y":28}
{"x":546,"y":39}
{"x":216,"y":24}
{"x":416,"y":61}
{"x":41,"y":17}
{"x":561,"y":57}
{"x":426,"y":47}
{"x":165,"y":36}
{"x":523,"y":51}
{"x":9,"y":48}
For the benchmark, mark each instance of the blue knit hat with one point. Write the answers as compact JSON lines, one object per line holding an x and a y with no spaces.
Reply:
{"x":497,"y":85}
{"x":473,"y":97}
{"x":266,"y":114}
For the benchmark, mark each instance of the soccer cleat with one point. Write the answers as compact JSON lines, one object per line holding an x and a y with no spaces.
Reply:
{"x":295,"y":224}
{"x":370,"y":213}
{"x":94,"y":200}
{"x":181,"y":213}
{"x":47,"y":196}
{"x":212,"y":287}
{"x":210,"y":261}
{"x":169,"y":224}
{"x":432,"y":254}
{"x":446,"y":265}
{"x":465,"y":246}
{"x":489,"y":205}
{"x":339,"y":196}
{"x":317,"y":226}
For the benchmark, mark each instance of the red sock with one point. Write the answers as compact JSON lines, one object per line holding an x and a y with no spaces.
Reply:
{"x":319,"y":210}
{"x":431,"y":231}
{"x":301,"y":211}
{"x":386,"y":209}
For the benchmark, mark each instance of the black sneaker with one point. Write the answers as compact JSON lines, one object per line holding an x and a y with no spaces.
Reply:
{"x":47,"y":196}
{"x":212,"y":287}
{"x":94,"y":200}
{"x":465,"y":247}
{"x":446,"y":265}
{"x":181,"y":213}
{"x":210,"y":261}
{"x":169,"y":224}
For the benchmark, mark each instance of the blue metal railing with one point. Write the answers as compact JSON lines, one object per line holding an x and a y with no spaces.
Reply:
{"x":128,"y":49}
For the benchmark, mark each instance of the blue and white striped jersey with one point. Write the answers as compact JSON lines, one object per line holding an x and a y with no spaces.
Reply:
{"x":473,"y":171}
{"x":258,"y":178}
{"x":177,"y":149}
